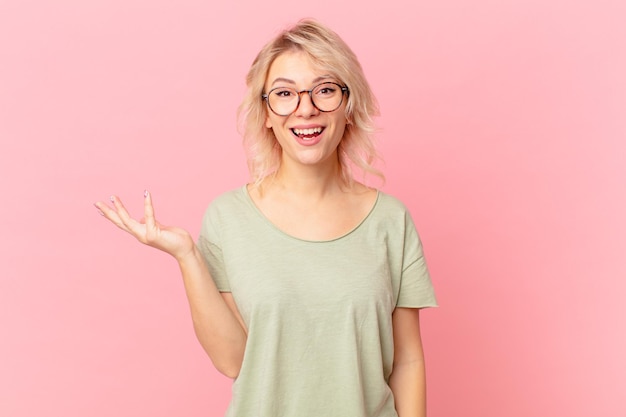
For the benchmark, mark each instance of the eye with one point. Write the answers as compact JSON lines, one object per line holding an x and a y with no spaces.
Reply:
{"x":283,"y":93}
{"x":326,"y":90}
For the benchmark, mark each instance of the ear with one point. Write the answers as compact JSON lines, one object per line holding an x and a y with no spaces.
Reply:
{"x":268,"y":122}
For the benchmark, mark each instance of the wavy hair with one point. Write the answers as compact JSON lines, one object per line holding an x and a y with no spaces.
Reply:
{"x":330,"y":53}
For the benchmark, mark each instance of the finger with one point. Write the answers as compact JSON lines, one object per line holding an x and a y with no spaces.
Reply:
{"x":97,"y":206}
{"x":130,"y":225}
{"x":121,"y":210}
{"x":110,"y":215}
{"x":148,"y":210}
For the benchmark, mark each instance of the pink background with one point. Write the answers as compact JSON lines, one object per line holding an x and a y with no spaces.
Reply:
{"x":503,"y":127}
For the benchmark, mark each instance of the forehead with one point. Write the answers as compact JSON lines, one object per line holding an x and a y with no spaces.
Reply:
{"x":295,"y":67}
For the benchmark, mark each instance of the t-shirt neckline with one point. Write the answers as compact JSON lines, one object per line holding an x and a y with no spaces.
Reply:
{"x":267,"y":221}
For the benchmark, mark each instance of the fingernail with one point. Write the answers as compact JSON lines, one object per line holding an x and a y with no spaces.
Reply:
{"x":145,"y":193}
{"x":98,"y":208}
{"x":112,"y":199}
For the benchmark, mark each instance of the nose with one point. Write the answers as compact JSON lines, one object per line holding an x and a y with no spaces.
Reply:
{"x":306,"y":108}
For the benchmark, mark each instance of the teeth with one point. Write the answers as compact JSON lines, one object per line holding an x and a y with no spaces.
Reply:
{"x":307,"y":131}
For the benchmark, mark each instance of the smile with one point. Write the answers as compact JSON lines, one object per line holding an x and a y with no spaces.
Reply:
{"x":308,"y":133}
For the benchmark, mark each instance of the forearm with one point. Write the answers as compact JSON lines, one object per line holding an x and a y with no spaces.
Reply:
{"x":218,"y":330}
{"x":408,"y":384}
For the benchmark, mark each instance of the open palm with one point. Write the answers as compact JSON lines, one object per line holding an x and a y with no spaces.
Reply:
{"x":173,"y":240}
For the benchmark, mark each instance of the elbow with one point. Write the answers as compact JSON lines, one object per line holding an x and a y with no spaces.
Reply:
{"x":226,"y":356}
{"x":228,"y":363}
{"x":230,"y":370}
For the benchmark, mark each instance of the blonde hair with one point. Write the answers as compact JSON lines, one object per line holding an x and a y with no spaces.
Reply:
{"x":328,"y":51}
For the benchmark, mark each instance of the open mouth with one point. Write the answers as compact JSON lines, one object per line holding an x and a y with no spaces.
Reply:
{"x":308,"y":134}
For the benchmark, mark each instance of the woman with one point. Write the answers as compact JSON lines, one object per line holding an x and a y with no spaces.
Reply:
{"x":305,"y":285}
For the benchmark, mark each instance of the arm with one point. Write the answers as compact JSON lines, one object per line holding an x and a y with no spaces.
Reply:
{"x":216,"y":321}
{"x":408,"y":378}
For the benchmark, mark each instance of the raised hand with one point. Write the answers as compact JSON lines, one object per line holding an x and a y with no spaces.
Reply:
{"x":173,"y":240}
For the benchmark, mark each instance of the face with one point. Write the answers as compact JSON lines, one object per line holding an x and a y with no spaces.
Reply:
{"x":307,"y":136}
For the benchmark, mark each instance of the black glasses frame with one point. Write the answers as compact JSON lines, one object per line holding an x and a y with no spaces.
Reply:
{"x":344,"y":90}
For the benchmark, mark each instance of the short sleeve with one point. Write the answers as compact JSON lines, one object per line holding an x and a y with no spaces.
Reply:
{"x":209,"y":246}
{"x":416,"y":289}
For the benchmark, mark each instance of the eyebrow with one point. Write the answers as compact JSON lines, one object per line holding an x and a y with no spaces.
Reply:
{"x":288,"y":81}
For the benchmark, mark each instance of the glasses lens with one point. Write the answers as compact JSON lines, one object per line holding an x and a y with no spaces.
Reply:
{"x":283,"y":101}
{"x":327,"y":96}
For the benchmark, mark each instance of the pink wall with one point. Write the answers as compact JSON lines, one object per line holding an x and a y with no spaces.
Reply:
{"x":503,"y":128}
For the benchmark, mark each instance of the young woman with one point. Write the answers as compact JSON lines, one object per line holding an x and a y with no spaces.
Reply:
{"x":305,"y":285}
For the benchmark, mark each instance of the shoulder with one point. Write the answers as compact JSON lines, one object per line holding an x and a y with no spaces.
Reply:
{"x":228,"y":200}
{"x":227,"y":205}
{"x":391,"y":205}
{"x":393,"y":215}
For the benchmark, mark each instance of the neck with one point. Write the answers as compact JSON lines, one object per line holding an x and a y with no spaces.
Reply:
{"x":310,"y":181}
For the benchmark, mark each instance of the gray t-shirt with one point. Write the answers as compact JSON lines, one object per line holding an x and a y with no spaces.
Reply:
{"x":320,"y":340}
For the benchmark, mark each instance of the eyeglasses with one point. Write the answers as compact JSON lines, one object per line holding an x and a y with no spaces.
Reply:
{"x":326,"y":97}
